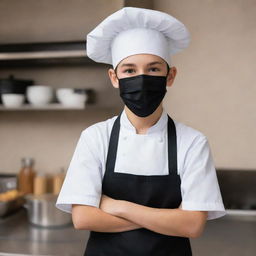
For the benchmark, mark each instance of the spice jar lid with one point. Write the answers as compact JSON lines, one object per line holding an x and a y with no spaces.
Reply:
{"x":27,"y":161}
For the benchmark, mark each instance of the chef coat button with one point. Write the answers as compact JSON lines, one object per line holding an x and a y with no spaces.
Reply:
{"x":160,"y":140}
{"x":125,"y":137}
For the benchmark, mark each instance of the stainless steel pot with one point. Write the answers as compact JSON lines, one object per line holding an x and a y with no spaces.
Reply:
{"x":43,"y":212}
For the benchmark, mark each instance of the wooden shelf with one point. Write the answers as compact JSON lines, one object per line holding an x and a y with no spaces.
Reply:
{"x":58,"y":107}
{"x":51,"y":106}
{"x":44,"y":54}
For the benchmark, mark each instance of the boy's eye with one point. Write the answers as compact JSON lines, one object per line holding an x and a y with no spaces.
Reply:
{"x":154,"y":69}
{"x":130,"y":70}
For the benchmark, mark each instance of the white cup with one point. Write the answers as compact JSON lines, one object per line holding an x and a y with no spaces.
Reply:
{"x":39,"y":95}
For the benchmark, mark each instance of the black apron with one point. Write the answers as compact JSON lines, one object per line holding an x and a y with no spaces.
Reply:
{"x":158,"y":191}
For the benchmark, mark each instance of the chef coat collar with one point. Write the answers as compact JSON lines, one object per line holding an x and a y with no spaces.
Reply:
{"x":157,"y":127}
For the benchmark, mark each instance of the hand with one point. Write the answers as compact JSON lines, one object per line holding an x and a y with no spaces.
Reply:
{"x":109,"y":205}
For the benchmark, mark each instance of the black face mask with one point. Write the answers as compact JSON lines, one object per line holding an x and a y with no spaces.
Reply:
{"x":142,"y":94}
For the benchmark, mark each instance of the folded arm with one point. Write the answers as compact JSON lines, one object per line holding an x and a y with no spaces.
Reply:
{"x":120,"y":215}
{"x":172,"y":222}
{"x":94,"y":219}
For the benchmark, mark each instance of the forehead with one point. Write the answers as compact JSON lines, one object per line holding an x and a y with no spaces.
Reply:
{"x":142,"y":59}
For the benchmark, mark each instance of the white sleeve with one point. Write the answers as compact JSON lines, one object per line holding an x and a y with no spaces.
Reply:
{"x":83,"y":181}
{"x":199,"y":184}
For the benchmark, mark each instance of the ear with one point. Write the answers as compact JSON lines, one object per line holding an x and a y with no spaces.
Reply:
{"x":113,"y":78}
{"x":171,"y":76}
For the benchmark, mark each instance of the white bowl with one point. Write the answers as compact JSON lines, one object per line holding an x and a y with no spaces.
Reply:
{"x":64,"y":91}
{"x":39,"y":94}
{"x":68,"y":97}
{"x":73,"y":99}
{"x":12,"y":99}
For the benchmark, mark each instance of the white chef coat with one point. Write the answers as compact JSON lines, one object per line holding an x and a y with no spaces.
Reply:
{"x":143,"y":154}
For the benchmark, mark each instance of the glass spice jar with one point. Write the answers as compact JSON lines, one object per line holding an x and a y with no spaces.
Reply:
{"x":26,"y":175}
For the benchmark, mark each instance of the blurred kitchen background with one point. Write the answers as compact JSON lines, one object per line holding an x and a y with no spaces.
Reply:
{"x":214,"y":92}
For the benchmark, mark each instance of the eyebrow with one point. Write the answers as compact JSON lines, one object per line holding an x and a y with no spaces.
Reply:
{"x":155,"y":62}
{"x":127,"y":65}
{"x":133,"y":65}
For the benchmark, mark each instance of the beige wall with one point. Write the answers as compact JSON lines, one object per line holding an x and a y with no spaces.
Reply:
{"x":215,"y":86}
{"x":213,"y":92}
{"x":54,"y":20}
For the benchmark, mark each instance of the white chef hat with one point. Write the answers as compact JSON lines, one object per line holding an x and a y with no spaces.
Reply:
{"x":132,"y":31}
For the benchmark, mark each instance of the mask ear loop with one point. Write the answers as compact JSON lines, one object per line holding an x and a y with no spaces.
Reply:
{"x":168,"y":69}
{"x":116,"y":73}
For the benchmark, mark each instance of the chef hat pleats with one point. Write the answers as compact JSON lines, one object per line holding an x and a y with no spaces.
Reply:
{"x":138,"y":41}
{"x":132,"y":31}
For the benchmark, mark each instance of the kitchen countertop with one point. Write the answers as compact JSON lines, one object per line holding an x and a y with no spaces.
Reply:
{"x":227,"y":236}
{"x":222,"y":237}
{"x":17,"y":235}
